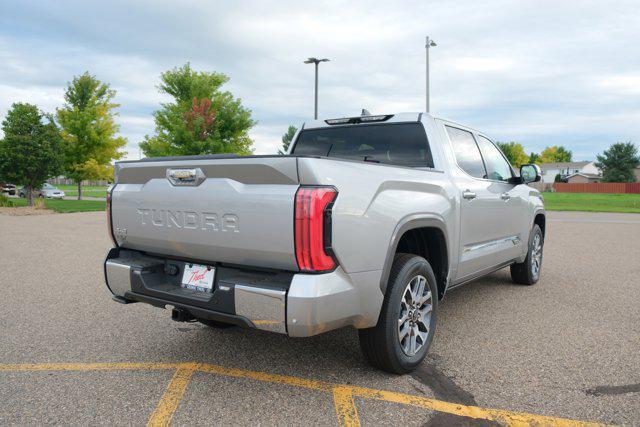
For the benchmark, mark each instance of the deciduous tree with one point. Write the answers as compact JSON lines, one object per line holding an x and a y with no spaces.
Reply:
{"x":30,"y":149}
{"x":201,"y":119}
{"x":618,"y":162}
{"x":514,"y":151}
{"x":89,"y":130}
{"x":555,"y":154}
{"x":287,"y":137}
{"x":534,"y":158}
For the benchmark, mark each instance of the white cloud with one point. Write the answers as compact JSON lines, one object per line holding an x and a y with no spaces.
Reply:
{"x":538,"y":71}
{"x":478,"y":63}
{"x":625,"y":84}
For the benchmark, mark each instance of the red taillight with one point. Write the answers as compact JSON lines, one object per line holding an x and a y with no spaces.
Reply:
{"x":313,"y":227}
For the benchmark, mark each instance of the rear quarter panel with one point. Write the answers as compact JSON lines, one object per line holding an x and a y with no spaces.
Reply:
{"x":374,"y":201}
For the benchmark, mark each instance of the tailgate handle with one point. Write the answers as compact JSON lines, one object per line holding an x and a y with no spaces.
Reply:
{"x":185,"y":176}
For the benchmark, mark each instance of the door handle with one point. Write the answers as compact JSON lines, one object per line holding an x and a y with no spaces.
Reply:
{"x":469,"y":195}
{"x":505,"y":197}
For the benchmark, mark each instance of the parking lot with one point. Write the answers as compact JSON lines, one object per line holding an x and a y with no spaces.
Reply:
{"x":564,"y":351}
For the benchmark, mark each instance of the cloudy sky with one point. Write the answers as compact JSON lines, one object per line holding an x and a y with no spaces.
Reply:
{"x":538,"y":72}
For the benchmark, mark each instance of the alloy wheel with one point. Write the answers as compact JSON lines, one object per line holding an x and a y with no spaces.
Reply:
{"x":536,"y":255}
{"x":415,"y":315}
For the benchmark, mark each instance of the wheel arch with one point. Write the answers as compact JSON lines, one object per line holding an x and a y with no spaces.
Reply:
{"x":540,"y":219}
{"x":423,"y":236}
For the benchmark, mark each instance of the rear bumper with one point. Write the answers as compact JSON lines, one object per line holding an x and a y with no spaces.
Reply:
{"x":299,"y":305}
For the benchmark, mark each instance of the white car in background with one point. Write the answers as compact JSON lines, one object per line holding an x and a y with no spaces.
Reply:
{"x":47,"y":191}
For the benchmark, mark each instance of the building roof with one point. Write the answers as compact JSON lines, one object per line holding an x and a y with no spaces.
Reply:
{"x":586,"y":175}
{"x":564,"y":165}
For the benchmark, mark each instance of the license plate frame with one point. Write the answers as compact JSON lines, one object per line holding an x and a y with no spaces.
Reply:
{"x":198,"y":277}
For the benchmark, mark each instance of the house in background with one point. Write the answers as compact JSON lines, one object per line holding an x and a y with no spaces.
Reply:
{"x":565,"y":169}
{"x":583,"y":178}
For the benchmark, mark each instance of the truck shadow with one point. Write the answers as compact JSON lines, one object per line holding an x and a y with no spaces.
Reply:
{"x":332,"y":355}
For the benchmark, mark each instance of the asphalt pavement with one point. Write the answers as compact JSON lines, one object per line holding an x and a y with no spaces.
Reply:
{"x":567,"y":347}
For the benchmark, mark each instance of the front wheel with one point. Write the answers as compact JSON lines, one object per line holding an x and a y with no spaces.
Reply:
{"x":528,"y":272}
{"x":407,"y":322}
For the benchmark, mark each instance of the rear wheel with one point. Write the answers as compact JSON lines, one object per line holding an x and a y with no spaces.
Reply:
{"x":401,"y":339}
{"x":528,"y":272}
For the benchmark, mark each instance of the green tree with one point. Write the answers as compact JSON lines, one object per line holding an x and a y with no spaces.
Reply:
{"x":514,"y":151}
{"x":89,"y":130}
{"x":202,"y":119}
{"x":554,"y":154}
{"x":287,"y":138}
{"x":30,"y":150}
{"x":534,"y":158}
{"x":618,"y":162}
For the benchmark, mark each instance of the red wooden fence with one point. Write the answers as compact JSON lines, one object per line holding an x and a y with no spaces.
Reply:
{"x":599,"y":187}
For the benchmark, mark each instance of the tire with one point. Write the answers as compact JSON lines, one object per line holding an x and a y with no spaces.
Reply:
{"x":381,"y":345}
{"x":215,"y":324}
{"x":528,"y":272}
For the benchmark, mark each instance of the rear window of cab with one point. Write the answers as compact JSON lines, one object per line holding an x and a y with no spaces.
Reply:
{"x":402,"y":144}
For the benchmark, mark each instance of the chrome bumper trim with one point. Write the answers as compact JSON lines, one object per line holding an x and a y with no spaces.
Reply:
{"x":118,"y":277}
{"x":265,"y":308}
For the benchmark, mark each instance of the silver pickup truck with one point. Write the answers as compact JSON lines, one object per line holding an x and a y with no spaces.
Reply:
{"x":367,"y":222}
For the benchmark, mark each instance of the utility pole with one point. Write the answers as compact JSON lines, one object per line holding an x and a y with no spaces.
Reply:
{"x":316,"y":61}
{"x":429,"y":44}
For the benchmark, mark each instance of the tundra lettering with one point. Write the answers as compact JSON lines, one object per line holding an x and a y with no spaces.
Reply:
{"x":206,"y":221}
{"x":367,"y":222}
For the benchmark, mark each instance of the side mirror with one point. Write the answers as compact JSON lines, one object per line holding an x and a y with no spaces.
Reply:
{"x":530,"y":173}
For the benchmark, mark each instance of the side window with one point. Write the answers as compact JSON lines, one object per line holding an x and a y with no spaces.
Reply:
{"x":498,"y":168}
{"x":466,"y":151}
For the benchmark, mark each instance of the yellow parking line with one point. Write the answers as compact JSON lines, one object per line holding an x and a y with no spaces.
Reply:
{"x":175,"y":392}
{"x":265,"y":322}
{"x":103,"y":366}
{"x":263,"y":376}
{"x":345,"y":407}
{"x":172,"y":396}
{"x":509,"y":418}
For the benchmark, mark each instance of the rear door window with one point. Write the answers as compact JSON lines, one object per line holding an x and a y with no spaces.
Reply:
{"x":466,"y":151}
{"x":403,"y":144}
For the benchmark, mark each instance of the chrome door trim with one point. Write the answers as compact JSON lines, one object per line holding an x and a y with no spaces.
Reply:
{"x":515,"y":239}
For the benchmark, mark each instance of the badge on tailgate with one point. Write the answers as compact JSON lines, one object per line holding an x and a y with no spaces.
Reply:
{"x":182,"y":177}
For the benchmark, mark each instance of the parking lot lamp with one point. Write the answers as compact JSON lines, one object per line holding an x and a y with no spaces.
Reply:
{"x":316,"y":61}
{"x":429,"y":44}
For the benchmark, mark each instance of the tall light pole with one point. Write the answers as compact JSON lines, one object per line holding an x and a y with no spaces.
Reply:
{"x":316,"y":61}
{"x":429,"y":44}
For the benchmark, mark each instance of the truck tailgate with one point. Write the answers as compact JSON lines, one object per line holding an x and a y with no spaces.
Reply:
{"x":230,"y":210}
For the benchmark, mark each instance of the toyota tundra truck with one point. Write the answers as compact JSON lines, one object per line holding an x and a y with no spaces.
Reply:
{"x":366,"y":222}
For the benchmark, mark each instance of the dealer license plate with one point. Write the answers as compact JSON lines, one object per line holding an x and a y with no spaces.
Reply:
{"x":198,"y":277}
